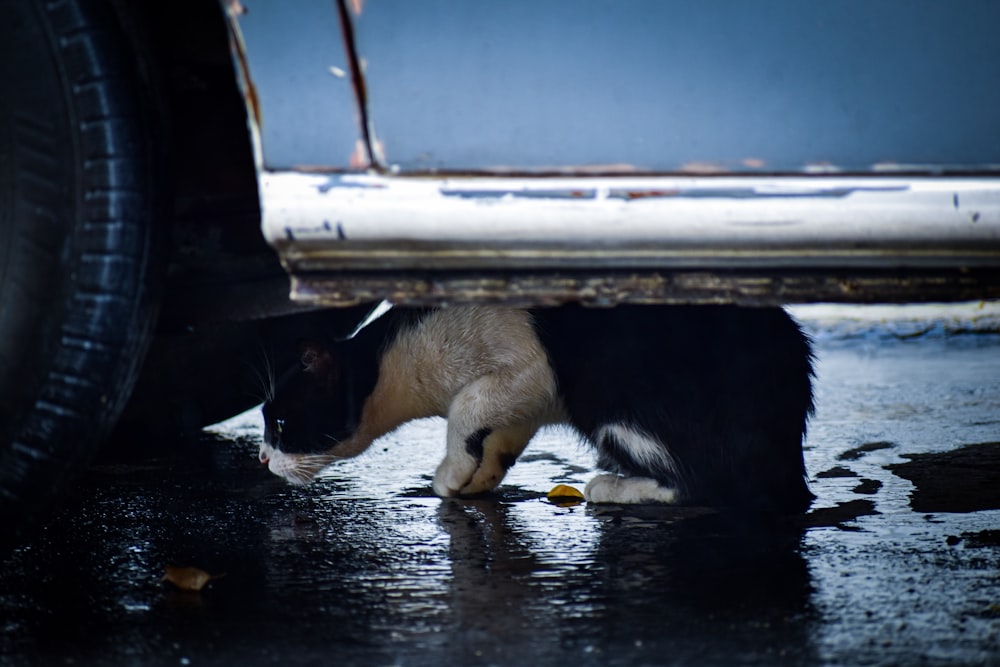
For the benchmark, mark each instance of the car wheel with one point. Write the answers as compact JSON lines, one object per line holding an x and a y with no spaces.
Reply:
{"x":78,"y":247}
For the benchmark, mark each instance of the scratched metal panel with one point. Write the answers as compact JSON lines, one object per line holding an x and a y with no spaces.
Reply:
{"x":661,"y":85}
{"x":300,"y":72}
{"x":326,"y":222}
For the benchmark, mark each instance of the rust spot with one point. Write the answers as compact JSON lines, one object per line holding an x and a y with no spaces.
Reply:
{"x":560,"y":170}
{"x":704,"y":168}
{"x":238,"y":50}
{"x":317,"y":169}
{"x":359,"y":158}
{"x":630,"y":195}
{"x":235,"y":8}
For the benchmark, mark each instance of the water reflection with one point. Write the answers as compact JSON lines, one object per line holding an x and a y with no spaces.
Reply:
{"x":656,"y":583}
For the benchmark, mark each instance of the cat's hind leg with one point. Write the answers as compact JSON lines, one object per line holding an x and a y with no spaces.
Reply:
{"x":616,"y":489}
{"x":633,"y":450}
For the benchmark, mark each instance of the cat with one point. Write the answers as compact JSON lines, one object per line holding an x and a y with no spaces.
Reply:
{"x":702,"y":405}
{"x":482,"y":367}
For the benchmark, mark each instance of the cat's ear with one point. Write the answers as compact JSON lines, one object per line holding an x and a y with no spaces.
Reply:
{"x":317,"y":360}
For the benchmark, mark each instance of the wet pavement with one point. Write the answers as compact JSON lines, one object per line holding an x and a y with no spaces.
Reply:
{"x":897,"y":564}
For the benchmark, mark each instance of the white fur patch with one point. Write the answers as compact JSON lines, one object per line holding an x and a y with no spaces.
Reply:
{"x":615,"y":489}
{"x":295,"y":468}
{"x":641,"y":447}
{"x":453,"y":474}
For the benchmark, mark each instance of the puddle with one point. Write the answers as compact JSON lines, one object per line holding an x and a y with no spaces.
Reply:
{"x":835,"y":472}
{"x":856,"y":453}
{"x":966,"y":479}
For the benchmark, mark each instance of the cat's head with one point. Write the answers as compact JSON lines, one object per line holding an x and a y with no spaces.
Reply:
{"x":311,"y":410}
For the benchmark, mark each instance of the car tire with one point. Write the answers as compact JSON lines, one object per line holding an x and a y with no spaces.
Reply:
{"x":79,"y":249}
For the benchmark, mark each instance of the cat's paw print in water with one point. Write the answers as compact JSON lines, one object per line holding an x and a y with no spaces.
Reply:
{"x":615,"y":489}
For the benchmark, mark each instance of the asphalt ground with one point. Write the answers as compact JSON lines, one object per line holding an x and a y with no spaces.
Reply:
{"x":898,"y":563}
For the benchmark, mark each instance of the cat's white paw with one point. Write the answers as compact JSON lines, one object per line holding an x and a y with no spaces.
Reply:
{"x":453,"y":474}
{"x":615,"y":489}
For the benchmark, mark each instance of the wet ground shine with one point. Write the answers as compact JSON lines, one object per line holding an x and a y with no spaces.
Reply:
{"x":897,"y":564}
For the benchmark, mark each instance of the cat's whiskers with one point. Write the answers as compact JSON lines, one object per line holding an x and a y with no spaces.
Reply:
{"x":265,"y":378}
{"x":269,"y":387}
{"x":296,"y":476}
{"x":307,"y":466}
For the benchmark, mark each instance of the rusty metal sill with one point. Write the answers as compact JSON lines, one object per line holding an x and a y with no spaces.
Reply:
{"x":610,"y":288}
{"x":903,"y":238}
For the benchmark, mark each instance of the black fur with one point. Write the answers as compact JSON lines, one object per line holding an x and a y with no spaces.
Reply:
{"x":474,"y":443}
{"x":726,"y":389}
{"x":314,"y":408}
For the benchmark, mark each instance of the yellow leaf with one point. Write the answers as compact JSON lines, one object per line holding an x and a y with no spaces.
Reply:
{"x":563,"y":493}
{"x":188,"y":578}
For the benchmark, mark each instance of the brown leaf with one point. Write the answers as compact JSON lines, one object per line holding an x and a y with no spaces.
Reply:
{"x":188,"y":578}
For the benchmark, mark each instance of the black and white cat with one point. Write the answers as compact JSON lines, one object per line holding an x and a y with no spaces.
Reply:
{"x":698,"y":405}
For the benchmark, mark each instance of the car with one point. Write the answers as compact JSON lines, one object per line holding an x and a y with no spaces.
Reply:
{"x":167,"y":168}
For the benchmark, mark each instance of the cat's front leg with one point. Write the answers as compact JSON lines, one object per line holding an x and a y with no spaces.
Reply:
{"x":478,"y":461}
{"x":490,"y":421}
{"x":501,"y":448}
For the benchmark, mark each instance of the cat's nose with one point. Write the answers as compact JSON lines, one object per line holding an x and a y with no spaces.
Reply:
{"x":263,"y":458}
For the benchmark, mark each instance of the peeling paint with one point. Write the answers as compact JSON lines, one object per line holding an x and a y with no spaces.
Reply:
{"x":326,"y":225}
{"x":291,"y":234}
{"x":337,"y":182}
{"x":378,"y":147}
{"x":366,"y":154}
{"x":633,"y":194}
{"x":615,"y":169}
{"x":928,"y":168}
{"x":704,"y":168}
{"x":359,"y":158}
{"x":629,"y":195}
{"x":235,"y":8}
{"x":533,"y":193}
{"x":237,"y":50}
{"x":821,"y":168}
{"x":317,"y":169}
